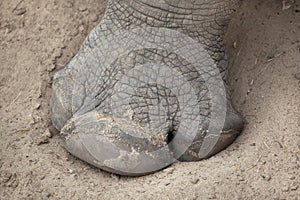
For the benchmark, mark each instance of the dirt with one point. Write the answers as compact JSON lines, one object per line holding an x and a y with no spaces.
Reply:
{"x":263,"y":42}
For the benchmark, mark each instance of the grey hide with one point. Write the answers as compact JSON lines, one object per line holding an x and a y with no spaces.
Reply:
{"x":148,"y":86}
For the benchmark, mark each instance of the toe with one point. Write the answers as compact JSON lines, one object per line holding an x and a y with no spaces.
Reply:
{"x":116,"y":145}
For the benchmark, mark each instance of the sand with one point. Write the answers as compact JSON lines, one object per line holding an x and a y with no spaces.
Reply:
{"x":39,"y":37}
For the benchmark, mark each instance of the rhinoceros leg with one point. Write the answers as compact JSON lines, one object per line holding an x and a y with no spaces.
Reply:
{"x":147,"y":87}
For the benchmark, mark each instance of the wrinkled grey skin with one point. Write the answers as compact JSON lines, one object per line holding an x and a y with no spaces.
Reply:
{"x":82,"y":91}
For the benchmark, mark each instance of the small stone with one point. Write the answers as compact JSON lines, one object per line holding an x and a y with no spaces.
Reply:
{"x":20,"y":11}
{"x":37,"y":106}
{"x":241,"y":179}
{"x":12,"y":181}
{"x":74,"y":33}
{"x":292,"y":177}
{"x":286,"y":4}
{"x":266,"y":177}
{"x":42,"y":140}
{"x":81,"y":29}
{"x":169,"y":170}
{"x":272,"y":191}
{"x":68,"y":4}
{"x":251,"y":82}
{"x":48,"y":133}
{"x":47,"y":194}
{"x":52,"y":130}
{"x":167,"y":183}
{"x":57,"y":53}
{"x":51,"y":67}
{"x":297,"y":76}
{"x":294,"y":187}
{"x":212,"y":196}
{"x":115,"y":177}
{"x":5,"y":176}
{"x":94,"y":18}
{"x":194,"y":180}
{"x":285,"y":189}
{"x":234,"y":45}
{"x":71,"y":171}
{"x":82,"y":8}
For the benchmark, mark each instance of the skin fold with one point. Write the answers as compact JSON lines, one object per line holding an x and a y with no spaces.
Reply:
{"x":119,"y":108}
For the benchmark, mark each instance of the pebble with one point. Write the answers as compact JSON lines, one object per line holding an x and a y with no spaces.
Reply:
{"x":42,"y":140}
{"x":194,"y":180}
{"x":167,"y":183}
{"x":241,"y":179}
{"x":94,"y":18}
{"x":74,"y":33}
{"x":93,"y":184}
{"x":212,"y":196}
{"x":5,"y":177}
{"x":52,"y":131}
{"x":57,"y":53}
{"x":20,"y":11}
{"x":47,"y":194}
{"x":82,"y":8}
{"x":48,"y":133}
{"x":297,"y":76}
{"x":263,"y":162}
{"x":285,"y":189}
{"x":169,"y":170}
{"x":37,"y":106}
{"x":51,"y":67}
{"x":292,"y":177}
{"x":12,"y":181}
{"x":81,"y":29}
{"x":234,"y":45}
{"x":266,"y":177}
{"x":42,"y":177}
{"x":294,"y":187}
{"x":68,"y":4}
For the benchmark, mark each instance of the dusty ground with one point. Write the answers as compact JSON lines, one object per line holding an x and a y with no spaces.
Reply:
{"x":38,"y":37}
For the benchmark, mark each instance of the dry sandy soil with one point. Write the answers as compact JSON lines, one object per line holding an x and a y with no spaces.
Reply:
{"x":38,"y":37}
